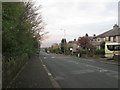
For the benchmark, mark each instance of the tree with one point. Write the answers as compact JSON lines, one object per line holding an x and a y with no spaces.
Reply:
{"x":84,"y":42}
{"x":21,"y":32}
{"x":63,"y":45}
{"x":22,"y":28}
{"x":34,"y":17}
{"x":102,"y":45}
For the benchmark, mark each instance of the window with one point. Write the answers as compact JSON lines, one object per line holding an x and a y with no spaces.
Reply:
{"x":107,"y":39}
{"x":110,"y":47}
{"x":98,"y":39}
{"x":117,"y":48}
{"x":113,"y":47}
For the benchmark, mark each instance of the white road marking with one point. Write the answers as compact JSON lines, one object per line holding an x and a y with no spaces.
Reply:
{"x":52,"y":57}
{"x":45,"y":57}
{"x":103,"y":70}
{"x":91,"y":60}
{"x":59,"y":78}
{"x":43,"y":65}
{"x":49,"y":74}
{"x":54,"y":83}
{"x":82,"y":71}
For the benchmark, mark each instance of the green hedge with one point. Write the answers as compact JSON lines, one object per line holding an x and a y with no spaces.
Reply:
{"x":99,"y":52}
{"x":11,"y":67}
{"x":83,"y":51}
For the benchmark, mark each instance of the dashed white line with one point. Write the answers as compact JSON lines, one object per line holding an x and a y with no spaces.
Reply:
{"x":44,"y":58}
{"x":52,"y":57}
{"x":49,"y":74}
{"x":103,"y":70}
{"x":76,"y":63}
{"x":54,"y":83}
{"x":43,"y":65}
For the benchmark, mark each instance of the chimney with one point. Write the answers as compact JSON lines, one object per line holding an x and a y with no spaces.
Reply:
{"x":94,"y":35}
{"x":115,"y":26}
{"x":86,"y":35}
{"x":74,"y":39}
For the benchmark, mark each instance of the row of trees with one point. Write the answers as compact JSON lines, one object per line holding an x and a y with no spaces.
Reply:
{"x":22,"y":31}
{"x":22,"y":28}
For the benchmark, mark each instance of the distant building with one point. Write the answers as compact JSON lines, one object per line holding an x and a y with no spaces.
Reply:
{"x":73,"y":45}
{"x":55,"y":46}
{"x":112,"y":35}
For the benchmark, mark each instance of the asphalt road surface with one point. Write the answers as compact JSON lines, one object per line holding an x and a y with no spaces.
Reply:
{"x":73,"y":72}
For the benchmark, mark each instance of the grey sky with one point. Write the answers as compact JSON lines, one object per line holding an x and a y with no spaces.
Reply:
{"x":77,"y":17}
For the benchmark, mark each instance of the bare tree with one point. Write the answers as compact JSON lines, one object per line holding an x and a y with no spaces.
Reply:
{"x":34,"y":17}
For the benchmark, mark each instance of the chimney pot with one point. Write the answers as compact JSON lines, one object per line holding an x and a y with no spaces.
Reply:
{"x":115,"y":26}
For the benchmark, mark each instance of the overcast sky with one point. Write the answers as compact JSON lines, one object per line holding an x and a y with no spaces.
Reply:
{"x":77,"y":17}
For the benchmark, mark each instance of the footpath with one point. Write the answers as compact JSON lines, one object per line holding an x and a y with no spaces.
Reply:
{"x":32,"y":75}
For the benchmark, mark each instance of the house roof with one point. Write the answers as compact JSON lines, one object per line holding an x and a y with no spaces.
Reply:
{"x":73,"y":42}
{"x":90,"y":37}
{"x":113,"y":32}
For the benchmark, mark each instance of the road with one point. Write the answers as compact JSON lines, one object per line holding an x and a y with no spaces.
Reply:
{"x":73,"y":72}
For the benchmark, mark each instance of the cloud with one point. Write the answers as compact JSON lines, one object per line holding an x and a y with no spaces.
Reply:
{"x":78,"y":17}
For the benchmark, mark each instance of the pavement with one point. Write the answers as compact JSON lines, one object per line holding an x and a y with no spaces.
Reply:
{"x":32,"y":75}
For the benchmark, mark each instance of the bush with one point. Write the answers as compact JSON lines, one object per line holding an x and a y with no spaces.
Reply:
{"x":83,"y":51}
{"x":99,"y":52}
{"x":11,"y":67}
{"x":68,"y":52}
